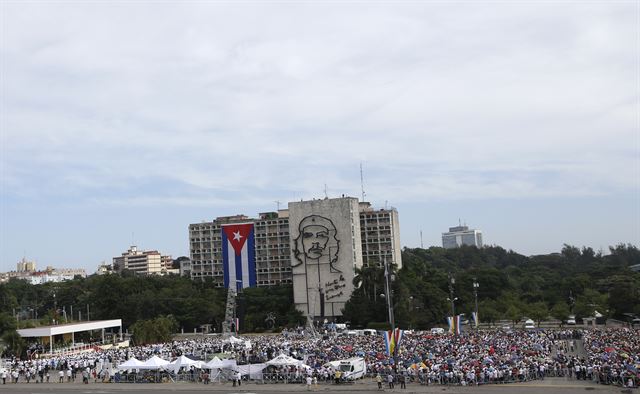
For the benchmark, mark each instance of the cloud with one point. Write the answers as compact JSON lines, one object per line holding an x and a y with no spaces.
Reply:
{"x":440,"y":101}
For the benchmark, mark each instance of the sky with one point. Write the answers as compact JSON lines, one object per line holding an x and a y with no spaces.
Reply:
{"x":122,"y":122}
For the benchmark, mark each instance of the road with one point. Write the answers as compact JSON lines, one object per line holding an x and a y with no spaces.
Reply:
{"x":551,"y":385}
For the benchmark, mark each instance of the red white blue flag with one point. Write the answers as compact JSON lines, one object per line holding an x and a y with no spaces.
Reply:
{"x":392,"y":340}
{"x":238,"y":255}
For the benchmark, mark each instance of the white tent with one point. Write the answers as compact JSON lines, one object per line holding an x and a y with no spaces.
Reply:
{"x":154,"y":362}
{"x":284,"y":360}
{"x":183,"y":361}
{"x":132,"y":363}
{"x":216,"y":363}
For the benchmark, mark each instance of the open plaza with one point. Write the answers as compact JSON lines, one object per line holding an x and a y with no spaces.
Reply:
{"x":474,"y":360}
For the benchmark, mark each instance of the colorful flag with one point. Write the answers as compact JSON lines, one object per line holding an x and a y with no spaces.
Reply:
{"x":392,"y":340}
{"x":454,"y":324}
{"x":474,"y":316}
{"x":238,"y":255}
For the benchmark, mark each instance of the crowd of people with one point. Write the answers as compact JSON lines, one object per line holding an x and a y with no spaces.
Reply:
{"x":606,"y":356}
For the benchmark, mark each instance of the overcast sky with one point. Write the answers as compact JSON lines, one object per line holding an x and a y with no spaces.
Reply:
{"x":123,"y":122}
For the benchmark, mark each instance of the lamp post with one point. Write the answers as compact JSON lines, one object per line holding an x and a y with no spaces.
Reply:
{"x":452,"y":281}
{"x":387,"y":288}
{"x":476,"y":285}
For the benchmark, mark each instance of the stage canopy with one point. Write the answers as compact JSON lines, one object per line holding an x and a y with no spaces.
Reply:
{"x":71,"y":328}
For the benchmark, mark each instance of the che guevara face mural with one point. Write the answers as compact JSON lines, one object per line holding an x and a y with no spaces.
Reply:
{"x":317,"y":242}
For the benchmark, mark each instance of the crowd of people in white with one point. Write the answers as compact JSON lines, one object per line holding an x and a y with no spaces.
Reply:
{"x":610,"y":356}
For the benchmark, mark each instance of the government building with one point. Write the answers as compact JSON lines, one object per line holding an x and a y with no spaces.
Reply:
{"x":315,"y":245}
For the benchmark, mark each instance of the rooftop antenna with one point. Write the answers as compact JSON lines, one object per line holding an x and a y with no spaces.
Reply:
{"x":459,"y":222}
{"x":421,"y":243}
{"x":277,"y":204}
{"x":133,"y":238}
{"x":362,"y":182}
{"x":325,"y":191}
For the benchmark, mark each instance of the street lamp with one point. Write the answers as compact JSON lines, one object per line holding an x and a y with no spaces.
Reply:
{"x":476,"y":285}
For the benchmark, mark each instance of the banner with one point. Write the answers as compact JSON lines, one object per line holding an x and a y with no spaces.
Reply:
{"x":392,"y":340}
{"x":455,"y":326}
{"x":474,"y":316}
{"x":238,"y":255}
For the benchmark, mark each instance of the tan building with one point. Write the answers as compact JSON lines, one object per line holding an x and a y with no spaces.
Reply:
{"x":149,"y":262}
{"x":25,"y":265}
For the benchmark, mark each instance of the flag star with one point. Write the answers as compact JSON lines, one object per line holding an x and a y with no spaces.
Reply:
{"x":237,"y":236}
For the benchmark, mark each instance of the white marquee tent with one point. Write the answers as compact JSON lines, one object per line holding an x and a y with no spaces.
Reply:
{"x":154,"y":362}
{"x":284,"y":360}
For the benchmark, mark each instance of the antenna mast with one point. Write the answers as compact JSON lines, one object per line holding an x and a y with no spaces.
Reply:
{"x":362,"y":182}
{"x":421,"y":244}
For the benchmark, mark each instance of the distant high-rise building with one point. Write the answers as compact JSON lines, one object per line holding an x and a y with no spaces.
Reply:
{"x":149,"y":262}
{"x":461,"y":235}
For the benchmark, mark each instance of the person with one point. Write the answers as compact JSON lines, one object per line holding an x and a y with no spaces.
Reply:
{"x":337,"y":376}
{"x":4,"y":376}
{"x":403,"y":381}
{"x":309,"y":383}
{"x":239,"y":377}
{"x":85,"y":376}
{"x":379,"y":380}
{"x":390,"y":380}
{"x":61,"y":376}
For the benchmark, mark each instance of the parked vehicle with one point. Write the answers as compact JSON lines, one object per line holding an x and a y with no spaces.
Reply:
{"x":353,"y":368}
{"x":571,"y":320}
{"x":529,"y":324}
{"x":437,"y":330}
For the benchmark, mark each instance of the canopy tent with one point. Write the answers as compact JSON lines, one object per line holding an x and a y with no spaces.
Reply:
{"x":132,"y":363}
{"x":253,"y":370}
{"x":154,"y":362}
{"x":183,"y":361}
{"x":284,"y":360}
{"x":216,"y":363}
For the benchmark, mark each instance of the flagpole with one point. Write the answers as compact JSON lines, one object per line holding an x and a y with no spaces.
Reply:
{"x":390,"y":310}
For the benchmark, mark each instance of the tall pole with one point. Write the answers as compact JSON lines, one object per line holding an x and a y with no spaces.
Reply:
{"x":387,"y":289}
{"x":392,"y":323}
{"x":475,"y":292}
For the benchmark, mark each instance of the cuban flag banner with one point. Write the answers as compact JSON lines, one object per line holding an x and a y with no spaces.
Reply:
{"x":392,"y":340}
{"x":238,"y":255}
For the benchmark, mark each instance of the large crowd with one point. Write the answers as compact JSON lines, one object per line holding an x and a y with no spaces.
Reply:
{"x":607,"y":356}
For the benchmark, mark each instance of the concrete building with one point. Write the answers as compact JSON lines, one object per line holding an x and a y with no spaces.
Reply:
{"x":50,"y":274}
{"x":325,"y":250}
{"x":461,"y":235}
{"x":367,"y":236}
{"x":25,"y":265}
{"x":380,"y":234}
{"x":149,"y":262}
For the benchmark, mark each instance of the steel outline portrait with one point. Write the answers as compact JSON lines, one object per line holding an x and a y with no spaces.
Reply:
{"x":317,"y":237}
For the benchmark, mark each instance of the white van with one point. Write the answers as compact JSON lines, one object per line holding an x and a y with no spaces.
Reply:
{"x":529,"y":324}
{"x":571,"y":320}
{"x":437,"y":331}
{"x":353,"y":368}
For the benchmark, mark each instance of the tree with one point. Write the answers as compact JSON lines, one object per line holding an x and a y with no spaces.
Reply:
{"x":561,"y":312}
{"x":538,"y":312}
